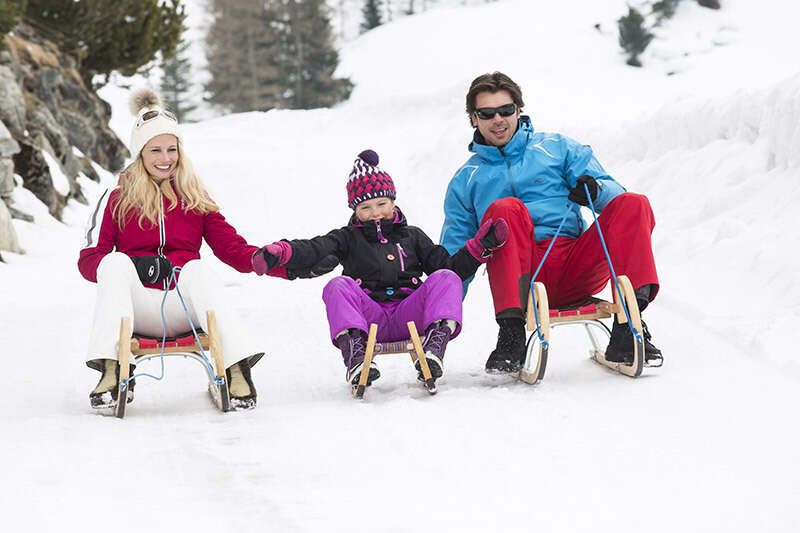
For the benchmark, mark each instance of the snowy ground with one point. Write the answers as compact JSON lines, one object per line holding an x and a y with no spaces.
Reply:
{"x":705,"y":444}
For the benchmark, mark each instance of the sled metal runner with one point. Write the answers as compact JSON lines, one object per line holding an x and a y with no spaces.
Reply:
{"x":411,"y":346}
{"x":134,"y":349}
{"x":589,"y":315}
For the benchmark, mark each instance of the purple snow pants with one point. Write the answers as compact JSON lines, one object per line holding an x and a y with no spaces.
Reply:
{"x":348,"y":306}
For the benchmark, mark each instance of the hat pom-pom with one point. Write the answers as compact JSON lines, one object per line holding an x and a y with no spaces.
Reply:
{"x":369,"y":157}
{"x":144,"y":97}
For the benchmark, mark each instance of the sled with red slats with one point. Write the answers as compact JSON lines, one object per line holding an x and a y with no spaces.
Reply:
{"x":134,"y":349}
{"x":588,"y":314}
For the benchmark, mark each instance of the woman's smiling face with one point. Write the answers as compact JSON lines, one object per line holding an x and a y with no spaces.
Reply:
{"x":160,"y":156}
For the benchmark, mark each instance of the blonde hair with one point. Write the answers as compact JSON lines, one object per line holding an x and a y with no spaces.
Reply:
{"x":139,"y":193}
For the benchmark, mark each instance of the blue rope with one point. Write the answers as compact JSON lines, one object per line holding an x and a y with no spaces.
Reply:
{"x":610,"y":266}
{"x":173,"y":282}
{"x":539,"y":334}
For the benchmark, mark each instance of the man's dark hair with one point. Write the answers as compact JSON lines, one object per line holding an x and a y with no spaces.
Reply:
{"x":496,"y":81}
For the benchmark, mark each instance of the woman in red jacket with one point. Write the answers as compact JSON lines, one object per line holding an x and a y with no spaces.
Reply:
{"x":156,"y":219}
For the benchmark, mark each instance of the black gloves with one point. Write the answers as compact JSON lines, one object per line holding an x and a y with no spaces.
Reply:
{"x":152,"y":268}
{"x":577,"y":194}
{"x":325,"y":265}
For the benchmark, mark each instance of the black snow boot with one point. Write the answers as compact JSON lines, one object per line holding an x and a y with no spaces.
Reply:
{"x":353,"y":345}
{"x":241,"y":390}
{"x":509,"y":355}
{"x":620,"y":345}
{"x":105,"y":393}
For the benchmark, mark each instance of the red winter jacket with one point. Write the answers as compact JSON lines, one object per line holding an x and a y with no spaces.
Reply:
{"x":177,"y":237}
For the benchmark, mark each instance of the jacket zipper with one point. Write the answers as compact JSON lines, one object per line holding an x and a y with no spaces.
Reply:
{"x":381,"y":238}
{"x":162,"y":239}
{"x":401,"y":254}
{"x":510,"y":176}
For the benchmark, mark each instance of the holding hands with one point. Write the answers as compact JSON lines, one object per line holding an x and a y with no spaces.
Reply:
{"x":492,"y":235}
{"x":270,"y":256}
{"x":279,"y":253}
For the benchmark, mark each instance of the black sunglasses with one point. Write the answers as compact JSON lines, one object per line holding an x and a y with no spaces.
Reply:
{"x":150,"y":115}
{"x":486,"y":113}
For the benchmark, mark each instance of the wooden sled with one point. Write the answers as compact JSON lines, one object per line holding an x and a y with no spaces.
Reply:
{"x":589,"y":314}
{"x":412,"y":346}
{"x":134,"y":349}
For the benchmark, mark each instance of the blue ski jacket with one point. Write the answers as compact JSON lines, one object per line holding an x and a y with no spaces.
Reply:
{"x":539,"y":169}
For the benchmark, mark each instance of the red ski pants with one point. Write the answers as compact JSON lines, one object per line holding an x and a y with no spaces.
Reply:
{"x":576,"y":267}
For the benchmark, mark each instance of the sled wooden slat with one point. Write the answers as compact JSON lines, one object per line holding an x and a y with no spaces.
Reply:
{"x":170,"y":346}
{"x":601,"y":309}
{"x":123,"y":358}
{"x":392,"y":348}
{"x":411,"y":346}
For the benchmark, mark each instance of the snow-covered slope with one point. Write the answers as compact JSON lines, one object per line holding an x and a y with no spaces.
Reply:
{"x":704,"y":444}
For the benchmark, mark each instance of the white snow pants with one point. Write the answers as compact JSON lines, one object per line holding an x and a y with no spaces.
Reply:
{"x":120,"y":294}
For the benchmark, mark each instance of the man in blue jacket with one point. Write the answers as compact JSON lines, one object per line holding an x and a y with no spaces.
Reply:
{"x":531,"y":179}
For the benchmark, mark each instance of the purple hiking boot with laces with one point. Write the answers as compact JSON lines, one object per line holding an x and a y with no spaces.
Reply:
{"x":435,"y":343}
{"x":353,"y":345}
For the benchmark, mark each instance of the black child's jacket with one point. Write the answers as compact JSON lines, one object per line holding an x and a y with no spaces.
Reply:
{"x":387,"y":258}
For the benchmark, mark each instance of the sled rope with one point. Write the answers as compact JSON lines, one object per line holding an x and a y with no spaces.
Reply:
{"x":635,"y":333}
{"x":173,"y":282}
{"x":545,"y":344}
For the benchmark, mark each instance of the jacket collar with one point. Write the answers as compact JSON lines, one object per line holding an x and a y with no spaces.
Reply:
{"x":379,"y":232}
{"x":515,"y":147}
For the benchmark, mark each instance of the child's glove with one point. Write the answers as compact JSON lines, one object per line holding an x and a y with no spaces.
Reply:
{"x":577,"y":194}
{"x":270,"y":256}
{"x":489,"y":237}
{"x":152,"y":268}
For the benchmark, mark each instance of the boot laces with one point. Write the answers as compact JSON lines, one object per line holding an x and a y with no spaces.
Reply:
{"x":357,"y":348}
{"x":437,"y":340}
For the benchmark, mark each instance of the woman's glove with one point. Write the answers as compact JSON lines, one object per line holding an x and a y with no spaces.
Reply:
{"x":270,"y":256}
{"x":152,"y":268}
{"x":490,"y":236}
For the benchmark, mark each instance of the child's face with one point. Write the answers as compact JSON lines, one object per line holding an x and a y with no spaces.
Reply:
{"x":375,"y":209}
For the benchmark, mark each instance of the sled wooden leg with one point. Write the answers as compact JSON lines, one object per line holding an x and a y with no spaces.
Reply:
{"x":628,"y":296}
{"x":221,"y":398}
{"x":430,"y":383}
{"x":361,"y":387}
{"x":124,"y":359}
{"x":535,"y":362}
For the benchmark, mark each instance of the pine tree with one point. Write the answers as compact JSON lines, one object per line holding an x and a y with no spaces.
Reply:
{"x":109,"y":35}
{"x":264,"y":54}
{"x":633,"y":36}
{"x":175,"y":82}
{"x":308,"y":58}
{"x":372,"y":15}
{"x":242,"y":55}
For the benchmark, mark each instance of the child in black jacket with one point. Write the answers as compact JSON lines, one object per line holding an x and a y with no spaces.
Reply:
{"x":384,"y":260}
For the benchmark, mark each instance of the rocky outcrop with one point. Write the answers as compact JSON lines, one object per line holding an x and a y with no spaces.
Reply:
{"x":8,"y":147}
{"x":45,"y":107}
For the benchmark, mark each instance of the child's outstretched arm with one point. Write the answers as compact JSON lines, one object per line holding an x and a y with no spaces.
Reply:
{"x":301,"y":258}
{"x":465,"y":262}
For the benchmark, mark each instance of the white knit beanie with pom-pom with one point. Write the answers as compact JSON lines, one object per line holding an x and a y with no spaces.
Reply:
{"x":151,"y":119}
